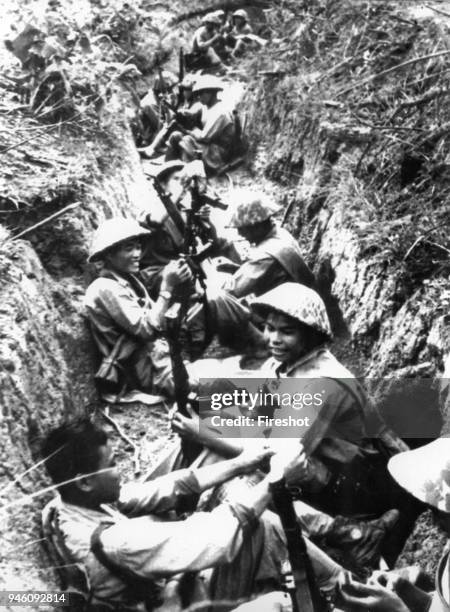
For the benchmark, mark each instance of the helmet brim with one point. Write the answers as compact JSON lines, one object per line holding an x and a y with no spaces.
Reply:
{"x":99,"y":255}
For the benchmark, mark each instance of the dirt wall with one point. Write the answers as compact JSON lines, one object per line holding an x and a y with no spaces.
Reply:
{"x":353,"y":128}
{"x":46,"y":363}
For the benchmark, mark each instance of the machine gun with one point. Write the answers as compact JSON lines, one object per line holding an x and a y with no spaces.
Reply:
{"x":306,"y":596}
{"x":197,"y":230}
{"x":173,"y":318}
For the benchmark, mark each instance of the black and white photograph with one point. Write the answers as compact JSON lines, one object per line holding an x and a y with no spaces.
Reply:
{"x":225,"y":305}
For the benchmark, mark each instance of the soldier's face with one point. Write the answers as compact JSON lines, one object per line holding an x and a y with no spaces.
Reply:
{"x":126,"y":256}
{"x":173,"y":186}
{"x":285,"y":337}
{"x":105,"y":485}
{"x":254,"y":233}
{"x":207,"y":97}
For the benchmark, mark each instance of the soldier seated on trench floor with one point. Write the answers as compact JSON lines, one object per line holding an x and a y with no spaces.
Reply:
{"x":347,"y":442}
{"x":137,"y":553}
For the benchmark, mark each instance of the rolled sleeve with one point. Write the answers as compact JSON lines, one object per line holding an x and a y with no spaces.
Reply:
{"x":149,"y":548}
{"x":158,"y":495}
{"x":126,"y":311}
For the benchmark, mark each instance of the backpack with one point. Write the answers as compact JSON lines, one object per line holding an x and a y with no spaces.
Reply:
{"x":73,"y":576}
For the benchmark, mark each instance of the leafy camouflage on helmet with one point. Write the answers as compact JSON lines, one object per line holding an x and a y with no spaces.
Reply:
{"x":425,"y":473}
{"x":296,"y":301}
{"x":252,"y":207}
{"x":241,"y":13}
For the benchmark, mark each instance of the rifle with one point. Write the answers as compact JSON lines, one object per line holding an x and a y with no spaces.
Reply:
{"x":181,"y":68}
{"x":173,"y":318}
{"x":306,"y":597}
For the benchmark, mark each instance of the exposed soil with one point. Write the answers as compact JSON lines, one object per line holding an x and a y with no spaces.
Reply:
{"x":385,"y":319}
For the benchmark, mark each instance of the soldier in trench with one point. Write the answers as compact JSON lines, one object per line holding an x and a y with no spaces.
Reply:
{"x":218,"y":141}
{"x":155,"y":106}
{"x":126,"y":324}
{"x":241,"y":37}
{"x":138,"y":546}
{"x":424,"y":474}
{"x":346,"y":444}
{"x":275,"y":257}
{"x":211,"y":309}
{"x":204,"y":42}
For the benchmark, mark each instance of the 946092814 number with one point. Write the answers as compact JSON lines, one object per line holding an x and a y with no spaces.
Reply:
{"x":34,"y":598}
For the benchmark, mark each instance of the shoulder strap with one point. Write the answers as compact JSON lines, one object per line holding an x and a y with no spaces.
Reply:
{"x":142,"y":589}
{"x":71,"y":572}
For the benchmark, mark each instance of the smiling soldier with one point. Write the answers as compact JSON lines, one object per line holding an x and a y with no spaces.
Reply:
{"x":126,"y":323}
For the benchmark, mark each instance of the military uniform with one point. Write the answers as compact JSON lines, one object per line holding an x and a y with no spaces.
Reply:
{"x":275,"y":259}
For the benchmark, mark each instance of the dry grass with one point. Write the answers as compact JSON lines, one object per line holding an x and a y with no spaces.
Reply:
{"x":365,"y":78}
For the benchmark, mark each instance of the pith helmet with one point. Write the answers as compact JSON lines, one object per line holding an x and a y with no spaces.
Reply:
{"x":253,"y":207}
{"x":298,"y":302}
{"x":207,"y":81}
{"x":167,"y":168}
{"x":212,"y":18}
{"x":111,"y":232}
{"x":241,"y":13}
{"x":425,"y":473}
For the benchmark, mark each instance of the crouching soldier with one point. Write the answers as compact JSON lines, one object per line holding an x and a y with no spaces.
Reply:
{"x":211,"y":310}
{"x":206,"y":38}
{"x":423,"y":473}
{"x":126,"y":323}
{"x":153,"y":108}
{"x":136,"y":554}
{"x":275,"y":258}
{"x":241,"y":35}
{"x":218,"y":140}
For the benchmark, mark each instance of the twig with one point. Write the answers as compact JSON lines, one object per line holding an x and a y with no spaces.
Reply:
{"x":439,"y":246}
{"x":389,"y":70}
{"x":128,"y":440}
{"x":43,"y":130}
{"x":437,"y":10}
{"x":423,"y":237}
{"x":43,"y":222}
{"x":412,"y":247}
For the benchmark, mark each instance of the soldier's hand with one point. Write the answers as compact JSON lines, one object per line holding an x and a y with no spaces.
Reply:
{"x":356,"y":597}
{"x":186,"y":428}
{"x":290,"y":463}
{"x":253,"y":457}
{"x":176,"y":273}
{"x":205,"y":212}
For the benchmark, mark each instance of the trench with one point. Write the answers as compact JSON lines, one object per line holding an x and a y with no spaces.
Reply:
{"x":45,"y":353}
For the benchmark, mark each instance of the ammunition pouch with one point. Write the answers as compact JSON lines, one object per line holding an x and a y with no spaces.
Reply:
{"x":111,"y":376}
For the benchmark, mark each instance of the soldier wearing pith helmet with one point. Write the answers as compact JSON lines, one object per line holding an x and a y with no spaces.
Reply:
{"x":205,"y":38}
{"x":218,"y":137}
{"x":125,"y":322}
{"x":425,"y":474}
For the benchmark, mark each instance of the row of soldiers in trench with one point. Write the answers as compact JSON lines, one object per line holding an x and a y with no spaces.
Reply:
{"x":220,"y":523}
